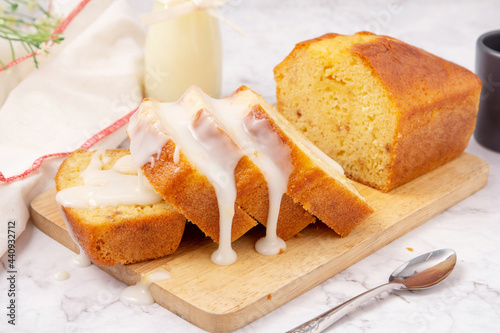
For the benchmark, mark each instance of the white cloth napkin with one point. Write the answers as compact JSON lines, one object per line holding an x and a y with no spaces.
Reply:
{"x":90,"y":82}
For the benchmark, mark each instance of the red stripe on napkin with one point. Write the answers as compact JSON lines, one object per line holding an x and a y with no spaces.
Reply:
{"x":86,"y":145}
{"x":64,"y":24}
{"x":90,"y":142}
{"x":59,"y":29}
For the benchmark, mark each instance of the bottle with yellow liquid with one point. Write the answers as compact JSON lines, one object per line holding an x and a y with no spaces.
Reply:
{"x":182,"y":51}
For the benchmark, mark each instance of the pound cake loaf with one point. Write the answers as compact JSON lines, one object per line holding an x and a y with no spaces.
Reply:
{"x":387,"y":111}
{"x":111,"y":212}
{"x":213,"y":159}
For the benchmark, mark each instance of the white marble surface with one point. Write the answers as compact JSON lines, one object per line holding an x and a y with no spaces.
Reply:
{"x":469,"y":300}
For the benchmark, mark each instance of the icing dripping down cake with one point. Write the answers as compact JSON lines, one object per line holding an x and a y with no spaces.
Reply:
{"x":228,"y":163}
{"x":111,"y":211}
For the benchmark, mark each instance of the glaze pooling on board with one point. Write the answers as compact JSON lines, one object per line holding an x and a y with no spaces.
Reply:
{"x":215,"y":134}
{"x":308,"y":261}
{"x":139,"y":294}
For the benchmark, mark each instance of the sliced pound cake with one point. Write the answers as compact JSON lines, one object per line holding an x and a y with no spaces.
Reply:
{"x":221,"y":162}
{"x":113,"y":214}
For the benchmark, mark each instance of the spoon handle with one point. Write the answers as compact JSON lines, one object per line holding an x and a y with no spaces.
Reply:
{"x":326,"y":319}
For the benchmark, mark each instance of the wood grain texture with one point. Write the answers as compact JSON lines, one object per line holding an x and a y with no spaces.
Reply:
{"x":223,"y":299}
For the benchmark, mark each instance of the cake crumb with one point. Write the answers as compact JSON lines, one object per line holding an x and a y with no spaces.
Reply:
{"x":281,"y":251}
{"x":269,"y":296}
{"x":299,"y":235}
{"x":410,"y":249}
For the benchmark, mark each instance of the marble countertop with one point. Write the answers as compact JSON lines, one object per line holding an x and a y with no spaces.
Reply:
{"x":469,"y":300}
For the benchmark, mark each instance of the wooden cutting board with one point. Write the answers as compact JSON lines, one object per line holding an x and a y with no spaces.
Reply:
{"x":223,"y":299}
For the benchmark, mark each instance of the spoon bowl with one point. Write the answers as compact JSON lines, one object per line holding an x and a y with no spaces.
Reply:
{"x":426,"y":270}
{"x":422,"y":272}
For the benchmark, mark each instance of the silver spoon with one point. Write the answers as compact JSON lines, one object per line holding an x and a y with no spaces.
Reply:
{"x":422,"y":272}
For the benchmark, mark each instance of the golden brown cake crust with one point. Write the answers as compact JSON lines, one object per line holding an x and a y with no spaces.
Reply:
{"x":127,"y":240}
{"x":254,"y":199}
{"x":308,"y":42}
{"x":436,"y":102}
{"x":191,"y":192}
{"x":123,"y":234}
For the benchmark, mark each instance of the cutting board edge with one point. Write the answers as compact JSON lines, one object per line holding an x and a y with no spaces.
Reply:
{"x":475,"y":183}
{"x":233,"y":320}
{"x":230,"y":321}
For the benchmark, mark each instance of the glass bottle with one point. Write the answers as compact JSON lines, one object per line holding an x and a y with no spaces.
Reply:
{"x":181,"y":52}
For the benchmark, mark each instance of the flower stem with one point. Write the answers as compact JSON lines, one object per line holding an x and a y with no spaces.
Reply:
{"x":32,"y":31}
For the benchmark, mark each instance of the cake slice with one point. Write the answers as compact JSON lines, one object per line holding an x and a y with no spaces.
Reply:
{"x":315,"y":180}
{"x":259,"y":177}
{"x":194,"y":164}
{"x":113,"y":214}
{"x":387,"y":111}
{"x":206,"y":156}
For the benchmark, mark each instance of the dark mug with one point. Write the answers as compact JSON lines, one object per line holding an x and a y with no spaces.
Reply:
{"x":487,"y":131}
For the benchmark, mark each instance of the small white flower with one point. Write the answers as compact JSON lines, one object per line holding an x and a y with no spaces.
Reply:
{"x":45,"y":47}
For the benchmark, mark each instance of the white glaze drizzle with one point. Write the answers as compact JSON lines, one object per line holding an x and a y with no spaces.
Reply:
{"x":262,"y":145}
{"x":147,"y":136}
{"x":125,"y":165}
{"x":193,"y":134}
{"x":273,"y":159}
{"x":80,"y":260}
{"x":120,"y":185}
{"x":220,"y":172}
{"x":139,"y":293}
{"x":177,"y":154}
{"x":214,"y":155}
